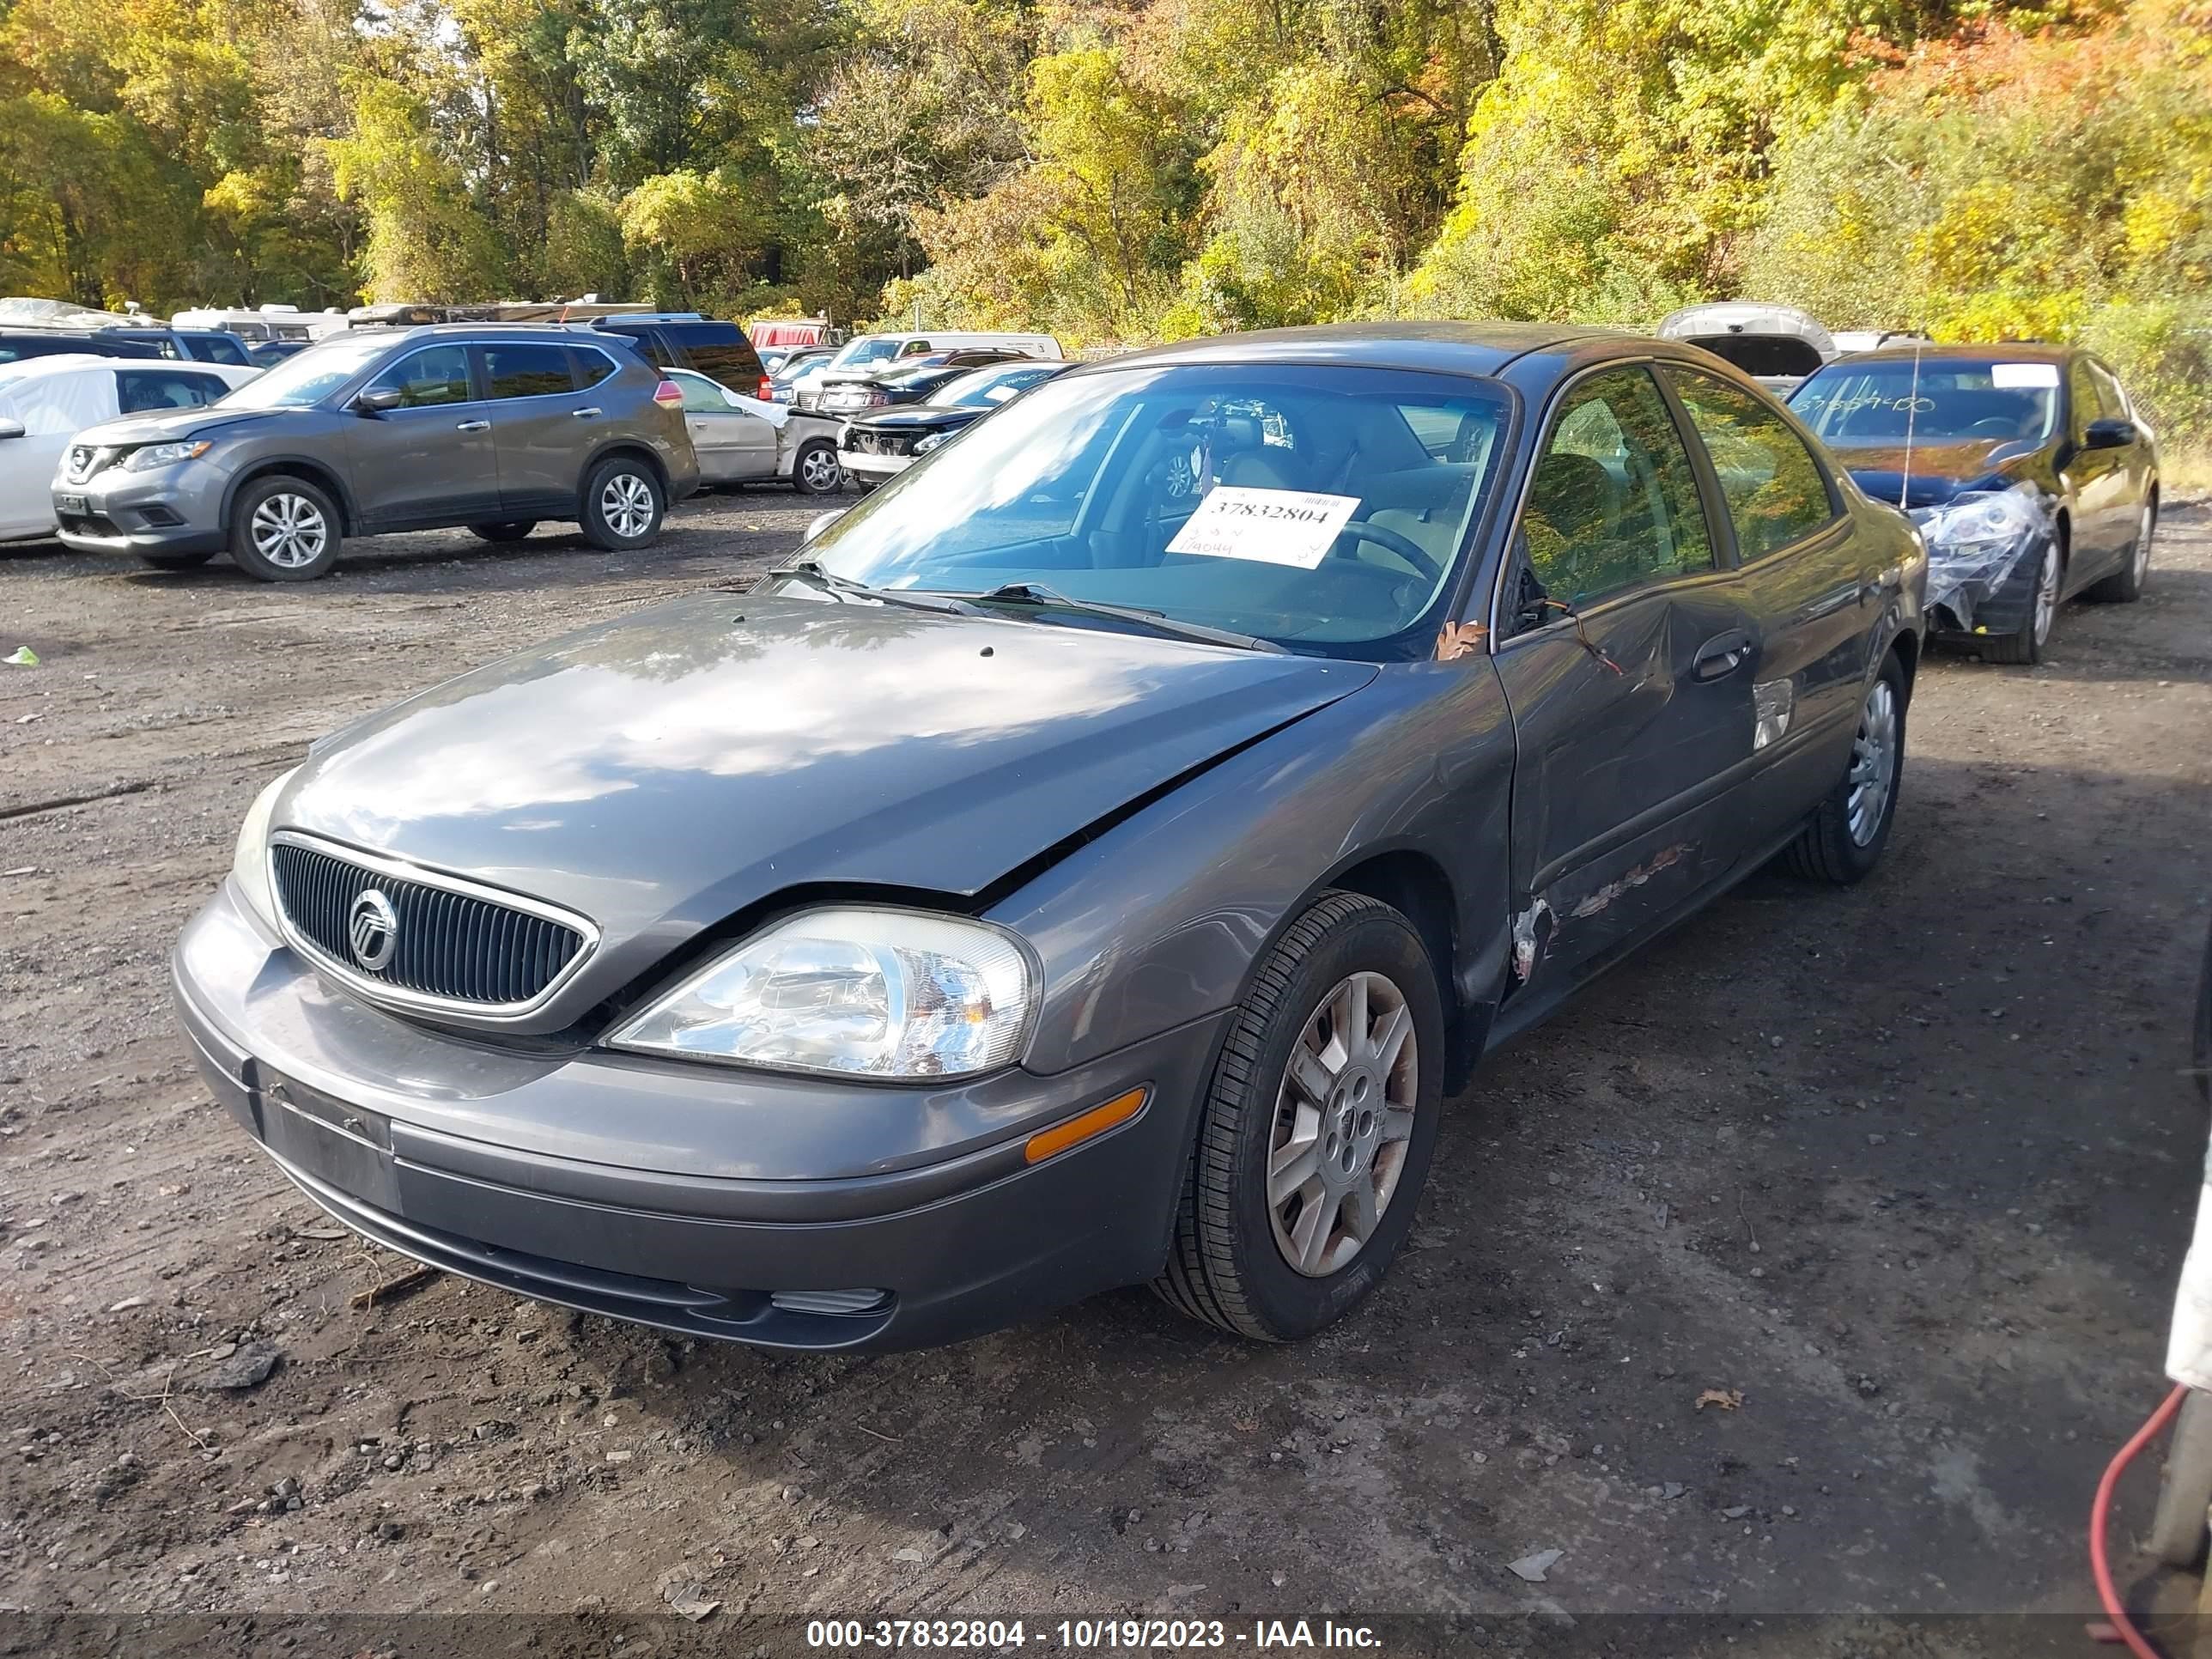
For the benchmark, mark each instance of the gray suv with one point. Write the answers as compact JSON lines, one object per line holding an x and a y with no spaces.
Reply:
{"x":496,"y":428}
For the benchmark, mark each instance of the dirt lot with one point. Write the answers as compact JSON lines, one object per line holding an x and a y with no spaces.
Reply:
{"x":1911,"y":1167}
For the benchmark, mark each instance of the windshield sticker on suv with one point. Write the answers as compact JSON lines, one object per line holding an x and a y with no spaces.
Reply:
{"x":2024,"y":377}
{"x":1271,"y":526}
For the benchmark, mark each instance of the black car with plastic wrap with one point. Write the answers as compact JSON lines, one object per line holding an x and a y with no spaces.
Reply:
{"x":2029,"y":471}
{"x":883,"y":445}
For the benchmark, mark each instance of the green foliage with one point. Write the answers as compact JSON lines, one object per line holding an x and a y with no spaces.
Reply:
{"x":1121,"y":170}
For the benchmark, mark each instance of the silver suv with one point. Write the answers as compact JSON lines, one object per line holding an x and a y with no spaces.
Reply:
{"x":495,"y":428}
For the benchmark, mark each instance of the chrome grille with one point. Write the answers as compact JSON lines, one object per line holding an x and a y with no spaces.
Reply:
{"x":451,"y":946}
{"x":86,"y":459}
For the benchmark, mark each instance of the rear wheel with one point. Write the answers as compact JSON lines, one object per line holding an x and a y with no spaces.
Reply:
{"x":622,"y":504}
{"x":2025,"y":646}
{"x":175,"y":561}
{"x":284,"y":529}
{"x":815,"y":470}
{"x":2125,"y":586}
{"x":513,"y":531}
{"x":1316,"y":1130}
{"x":1842,"y":841}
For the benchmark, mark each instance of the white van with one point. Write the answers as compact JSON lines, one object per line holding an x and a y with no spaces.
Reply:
{"x":271,"y":322}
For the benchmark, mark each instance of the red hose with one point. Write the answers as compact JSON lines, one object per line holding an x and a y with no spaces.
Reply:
{"x":2100,"y":1513}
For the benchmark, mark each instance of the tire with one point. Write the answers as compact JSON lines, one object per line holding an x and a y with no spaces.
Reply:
{"x":2025,"y":647}
{"x":174,"y":561}
{"x":2126,"y":586}
{"x":1231,"y":1265}
{"x":815,"y":470}
{"x":284,"y":529}
{"x":622,"y":504}
{"x":2178,"y":1527}
{"x":513,"y":531}
{"x":1841,"y":841}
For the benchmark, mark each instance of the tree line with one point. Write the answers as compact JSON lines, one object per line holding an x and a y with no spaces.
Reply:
{"x":1124,"y":170}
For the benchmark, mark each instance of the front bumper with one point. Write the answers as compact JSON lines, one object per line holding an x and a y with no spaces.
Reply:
{"x":1990,"y":596}
{"x":169,"y":510}
{"x":864,"y":464}
{"x":707,"y":1200}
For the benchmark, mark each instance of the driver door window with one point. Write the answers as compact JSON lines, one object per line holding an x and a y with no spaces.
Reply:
{"x":1613,"y":502}
{"x":437,"y":375}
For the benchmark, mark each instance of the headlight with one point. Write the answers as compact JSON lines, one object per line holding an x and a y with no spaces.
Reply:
{"x":249,"y":864}
{"x":853,"y":991}
{"x":1973,"y":526}
{"x":934,"y":441}
{"x":153,"y":455}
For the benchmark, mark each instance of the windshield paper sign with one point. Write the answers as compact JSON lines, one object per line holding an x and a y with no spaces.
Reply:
{"x":2024,"y":377}
{"x":1274,"y":526}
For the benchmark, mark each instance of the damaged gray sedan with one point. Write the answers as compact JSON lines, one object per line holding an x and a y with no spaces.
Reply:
{"x":1094,"y":860}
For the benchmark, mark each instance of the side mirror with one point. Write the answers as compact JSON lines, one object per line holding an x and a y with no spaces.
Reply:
{"x":10,"y":429}
{"x":2110,"y":432}
{"x":379,"y":399}
{"x":822,"y":522}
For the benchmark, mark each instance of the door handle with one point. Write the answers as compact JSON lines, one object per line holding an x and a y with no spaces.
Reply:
{"x":1721,"y":655}
{"x":586,"y":414}
{"x":473,"y":426}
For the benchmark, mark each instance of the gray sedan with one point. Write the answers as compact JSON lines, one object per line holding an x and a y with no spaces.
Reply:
{"x":741,"y":439}
{"x":1094,"y":860}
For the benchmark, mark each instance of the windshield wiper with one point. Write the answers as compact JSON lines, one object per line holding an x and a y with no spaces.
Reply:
{"x":845,"y":586}
{"x":1037,"y":594}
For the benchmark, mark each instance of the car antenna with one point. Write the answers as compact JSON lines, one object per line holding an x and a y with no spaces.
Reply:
{"x":1912,"y":410}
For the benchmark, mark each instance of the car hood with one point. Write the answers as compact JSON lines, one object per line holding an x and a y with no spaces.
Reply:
{"x":921,"y":416}
{"x":661,"y":773}
{"x":1939,"y":472}
{"x":165,"y":428}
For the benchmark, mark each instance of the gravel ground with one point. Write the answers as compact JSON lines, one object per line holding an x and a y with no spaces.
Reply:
{"x":1908,"y":1169}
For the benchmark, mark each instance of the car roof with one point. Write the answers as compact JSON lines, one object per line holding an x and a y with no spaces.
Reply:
{"x":1453,"y":348}
{"x":529,"y":333}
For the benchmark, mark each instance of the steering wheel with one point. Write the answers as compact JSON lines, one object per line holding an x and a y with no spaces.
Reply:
{"x":1404,"y":546}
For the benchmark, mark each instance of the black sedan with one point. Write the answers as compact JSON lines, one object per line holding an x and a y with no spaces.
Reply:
{"x":2027,"y":468}
{"x":882,"y":445}
{"x":848,"y":395}
{"x":1094,"y":861}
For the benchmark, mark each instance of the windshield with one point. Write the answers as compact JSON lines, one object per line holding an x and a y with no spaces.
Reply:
{"x":1850,"y":405}
{"x":308,"y":377}
{"x":987,"y":388}
{"x":1316,"y":506}
{"x":876,"y":349}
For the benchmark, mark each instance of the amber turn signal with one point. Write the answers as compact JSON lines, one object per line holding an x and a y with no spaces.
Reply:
{"x":1048,"y":1142}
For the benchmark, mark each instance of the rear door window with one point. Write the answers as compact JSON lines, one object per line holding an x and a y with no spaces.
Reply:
{"x":525,"y":370}
{"x":1776,"y":491}
{"x":141,"y":391}
{"x":434,"y":375}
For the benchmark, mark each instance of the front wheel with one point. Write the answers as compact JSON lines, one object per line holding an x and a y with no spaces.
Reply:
{"x":284,"y":529}
{"x":623,"y":505}
{"x":1316,"y":1132}
{"x":815,"y":470}
{"x":1842,"y":841}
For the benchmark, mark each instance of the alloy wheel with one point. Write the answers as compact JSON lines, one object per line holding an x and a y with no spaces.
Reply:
{"x":2046,"y":593}
{"x":1873,"y":765}
{"x":626,"y":504}
{"x":289,"y":530}
{"x":818,"y":471}
{"x":1344,"y":1115}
